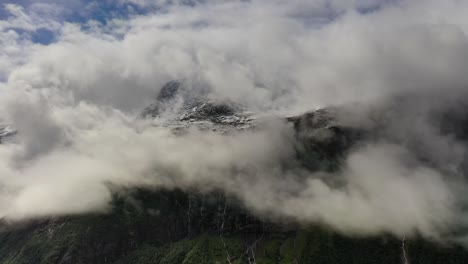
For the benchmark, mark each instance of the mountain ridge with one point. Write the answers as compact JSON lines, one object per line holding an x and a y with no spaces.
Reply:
{"x":177,"y":226}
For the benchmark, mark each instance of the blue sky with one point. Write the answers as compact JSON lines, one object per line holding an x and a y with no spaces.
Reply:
{"x":81,"y":11}
{"x":74,"y":11}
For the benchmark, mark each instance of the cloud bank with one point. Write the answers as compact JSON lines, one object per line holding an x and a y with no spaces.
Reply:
{"x":75,"y":103}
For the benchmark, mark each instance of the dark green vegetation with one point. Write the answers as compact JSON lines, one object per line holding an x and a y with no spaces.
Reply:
{"x":172,"y":227}
{"x":175,"y":227}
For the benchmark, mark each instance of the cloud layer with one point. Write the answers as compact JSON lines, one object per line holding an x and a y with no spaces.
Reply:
{"x":75,"y":104}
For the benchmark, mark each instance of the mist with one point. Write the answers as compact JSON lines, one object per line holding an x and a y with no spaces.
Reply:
{"x":76,"y":102}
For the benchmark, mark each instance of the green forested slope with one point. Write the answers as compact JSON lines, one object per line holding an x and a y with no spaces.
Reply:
{"x":172,"y":227}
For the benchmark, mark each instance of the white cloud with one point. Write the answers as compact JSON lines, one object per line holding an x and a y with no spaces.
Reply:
{"x":20,"y":19}
{"x":75,"y":101}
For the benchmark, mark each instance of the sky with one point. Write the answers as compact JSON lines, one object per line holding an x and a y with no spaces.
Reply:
{"x":30,"y":25}
{"x":75,"y":75}
{"x":81,"y":11}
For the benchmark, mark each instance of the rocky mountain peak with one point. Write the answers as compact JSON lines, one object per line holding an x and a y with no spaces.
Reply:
{"x":169,"y":91}
{"x":202,"y":110}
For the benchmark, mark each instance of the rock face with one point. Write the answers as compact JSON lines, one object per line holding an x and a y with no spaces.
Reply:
{"x":169,"y":91}
{"x":173,"y":227}
{"x":6,"y":132}
{"x":202,"y":111}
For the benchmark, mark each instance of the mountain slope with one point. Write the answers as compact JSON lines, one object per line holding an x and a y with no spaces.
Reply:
{"x":175,"y":226}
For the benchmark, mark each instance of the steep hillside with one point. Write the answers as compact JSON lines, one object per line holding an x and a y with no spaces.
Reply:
{"x":174,"y":226}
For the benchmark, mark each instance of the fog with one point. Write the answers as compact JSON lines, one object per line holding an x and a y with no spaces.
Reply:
{"x":76,"y":101}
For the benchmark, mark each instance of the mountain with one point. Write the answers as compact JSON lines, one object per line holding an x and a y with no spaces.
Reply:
{"x":175,"y":226}
{"x":200,"y":110}
{"x":6,"y":132}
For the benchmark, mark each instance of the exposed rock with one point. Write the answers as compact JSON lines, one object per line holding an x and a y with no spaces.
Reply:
{"x":6,"y":132}
{"x":174,"y":227}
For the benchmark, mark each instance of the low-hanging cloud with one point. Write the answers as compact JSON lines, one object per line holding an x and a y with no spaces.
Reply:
{"x":75,"y":104}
